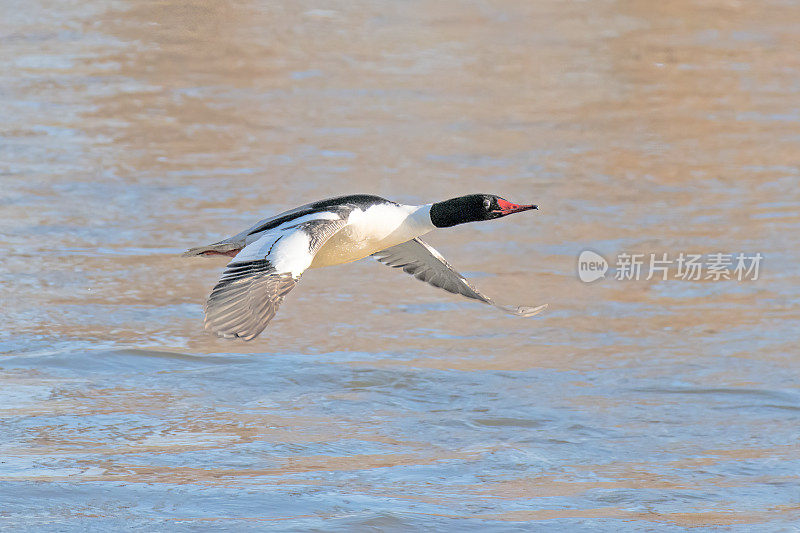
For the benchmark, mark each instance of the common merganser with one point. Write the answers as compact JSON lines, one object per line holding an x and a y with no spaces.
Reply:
{"x":269,"y":258}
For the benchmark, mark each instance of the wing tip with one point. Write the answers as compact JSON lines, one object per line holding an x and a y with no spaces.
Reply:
{"x":232,"y":333}
{"x":528,"y":311}
{"x":246,"y":299}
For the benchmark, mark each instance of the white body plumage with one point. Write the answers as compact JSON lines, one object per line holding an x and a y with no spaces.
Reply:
{"x":373,"y":229}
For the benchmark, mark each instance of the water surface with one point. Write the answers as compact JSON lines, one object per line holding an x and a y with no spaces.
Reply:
{"x":134,"y":130}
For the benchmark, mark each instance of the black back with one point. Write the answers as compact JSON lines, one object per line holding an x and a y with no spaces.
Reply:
{"x":342,"y":205}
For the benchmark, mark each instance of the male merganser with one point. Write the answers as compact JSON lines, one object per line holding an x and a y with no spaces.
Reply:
{"x":269,"y":258}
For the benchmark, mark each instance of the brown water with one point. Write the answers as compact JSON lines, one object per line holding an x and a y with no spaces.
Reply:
{"x":131,"y":131}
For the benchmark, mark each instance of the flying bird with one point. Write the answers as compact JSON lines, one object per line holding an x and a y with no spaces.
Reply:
{"x":269,"y":258}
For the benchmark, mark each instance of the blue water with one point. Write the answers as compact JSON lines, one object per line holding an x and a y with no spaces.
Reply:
{"x":166,"y":440}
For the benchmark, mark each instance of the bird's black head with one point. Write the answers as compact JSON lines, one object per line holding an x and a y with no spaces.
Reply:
{"x":472,"y":208}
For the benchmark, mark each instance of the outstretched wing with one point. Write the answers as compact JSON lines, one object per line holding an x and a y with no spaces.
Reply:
{"x":255,"y":282}
{"x":423,"y":262}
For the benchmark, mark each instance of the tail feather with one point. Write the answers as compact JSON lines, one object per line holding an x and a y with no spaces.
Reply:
{"x":229,"y":249}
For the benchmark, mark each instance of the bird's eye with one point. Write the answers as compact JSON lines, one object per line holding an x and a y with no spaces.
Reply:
{"x":487,"y":204}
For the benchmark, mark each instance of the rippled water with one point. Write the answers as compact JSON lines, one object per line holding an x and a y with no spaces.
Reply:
{"x":131,"y":131}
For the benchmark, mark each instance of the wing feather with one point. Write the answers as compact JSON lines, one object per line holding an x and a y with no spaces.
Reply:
{"x":423,"y":262}
{"x":256,"y":281}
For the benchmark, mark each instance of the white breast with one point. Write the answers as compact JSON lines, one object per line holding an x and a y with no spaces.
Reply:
{"x":372,"y":230}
